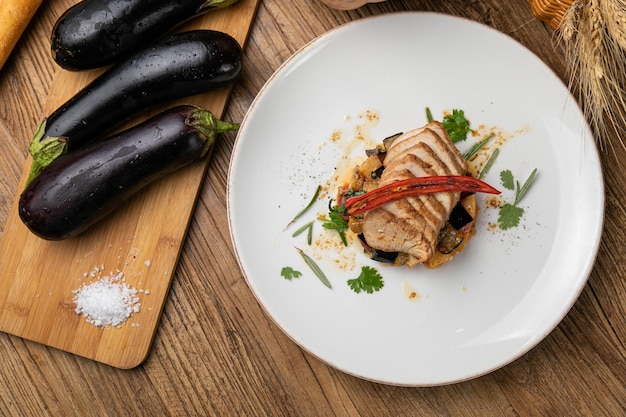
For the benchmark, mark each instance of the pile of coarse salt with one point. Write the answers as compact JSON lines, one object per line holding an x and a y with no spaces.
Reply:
{"x":107,"y":301}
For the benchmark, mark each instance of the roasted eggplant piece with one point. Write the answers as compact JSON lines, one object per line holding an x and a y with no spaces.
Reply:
{"x":378,"y":255}
{"x":459,"y":217}
{"x":84,"y":186}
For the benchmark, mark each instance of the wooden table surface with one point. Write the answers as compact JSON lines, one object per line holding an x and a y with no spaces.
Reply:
{"x":217,"y":353}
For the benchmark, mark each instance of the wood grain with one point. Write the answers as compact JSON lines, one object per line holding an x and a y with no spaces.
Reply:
{"x":215,"y":352}
{"x":142,"y":241}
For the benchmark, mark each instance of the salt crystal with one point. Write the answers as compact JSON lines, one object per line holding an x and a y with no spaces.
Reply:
{"x":108,"y":301}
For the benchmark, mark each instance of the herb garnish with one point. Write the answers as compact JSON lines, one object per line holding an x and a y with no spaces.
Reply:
{"x":369,"y":281}
{"x":456,"y":125}
{"x":336,"y":221}
{"x":289,"y":273}
{"x":506,"y":177}
{"x":477,"y":147}
{"x":510,"y":214}
{"x":308,"y":206}
{"x":315,"y":268}
{"x":489,"y":163}
{"x":309,"y":228}
{"x":429,"y":115}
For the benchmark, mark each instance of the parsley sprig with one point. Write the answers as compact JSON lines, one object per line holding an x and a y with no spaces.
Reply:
{"x":456,"y":125}
{"x":336,"y":221}
{"x":369,"y":281}
{"x":289,"y":273}
{"x":511,"y":214}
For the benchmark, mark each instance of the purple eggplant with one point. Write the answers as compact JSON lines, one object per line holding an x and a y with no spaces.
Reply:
{"x":180,"y":65}
{"x":97,"y":33}
{"x":85,"y":185}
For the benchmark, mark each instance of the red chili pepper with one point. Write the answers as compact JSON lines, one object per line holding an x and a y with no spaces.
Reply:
{"x":415,"y":186}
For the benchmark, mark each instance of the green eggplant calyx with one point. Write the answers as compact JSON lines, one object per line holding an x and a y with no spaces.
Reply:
{"x":35,"y":169}
{"x":44,"y":150}
{"x":209,"y":126}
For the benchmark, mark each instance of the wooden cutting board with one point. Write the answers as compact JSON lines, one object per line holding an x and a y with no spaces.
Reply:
{"x":143,"y":240}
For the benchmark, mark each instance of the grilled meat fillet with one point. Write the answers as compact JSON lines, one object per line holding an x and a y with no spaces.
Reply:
{"x":411,"y":225}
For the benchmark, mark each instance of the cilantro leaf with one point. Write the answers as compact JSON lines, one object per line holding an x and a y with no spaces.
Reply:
{"x":509,"y":216}
{"x":456,"y":125}
{"x":369,"y":281}
{"x":506,"y":177}
{"x":289,"y":273}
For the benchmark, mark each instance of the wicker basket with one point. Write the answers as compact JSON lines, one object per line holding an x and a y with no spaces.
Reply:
{"x":550,"y":11}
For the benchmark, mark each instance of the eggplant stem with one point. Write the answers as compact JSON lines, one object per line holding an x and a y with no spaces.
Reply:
{"x":44,"y":150}
{"x":209,"y":126}
{"x":222,"y":126}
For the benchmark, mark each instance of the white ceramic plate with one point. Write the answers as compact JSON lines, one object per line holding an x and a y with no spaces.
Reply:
{"x":497,"y":299}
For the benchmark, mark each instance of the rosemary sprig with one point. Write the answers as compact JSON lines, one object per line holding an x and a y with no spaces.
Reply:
{"x":489,"y":163}
{"x":308,"y":206}
{"x":519,"y":194}
{"x":429,"y":115}
{"x":314,"y":267}
{"x":309,"y":228}
{"x":477,"y":147}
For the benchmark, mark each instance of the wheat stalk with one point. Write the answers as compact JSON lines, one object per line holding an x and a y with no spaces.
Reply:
{"x":615,"y":20}
{"x":593,"y":34}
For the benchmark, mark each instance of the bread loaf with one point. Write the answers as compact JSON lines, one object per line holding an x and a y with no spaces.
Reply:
{"x":348,"y":4}
{"x":14,"y":17}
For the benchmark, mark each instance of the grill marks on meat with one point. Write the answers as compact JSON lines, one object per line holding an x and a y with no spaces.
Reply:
{"x":411,"y":225}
